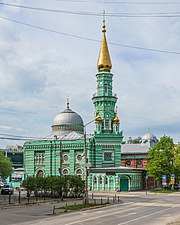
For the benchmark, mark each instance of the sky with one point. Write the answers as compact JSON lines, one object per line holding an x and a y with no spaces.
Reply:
{"x":49,"y":52}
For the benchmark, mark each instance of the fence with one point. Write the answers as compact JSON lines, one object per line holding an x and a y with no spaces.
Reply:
{"x":23,"y":197}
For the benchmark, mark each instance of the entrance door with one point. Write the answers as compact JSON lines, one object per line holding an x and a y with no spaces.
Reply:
{"x":124,"y":184}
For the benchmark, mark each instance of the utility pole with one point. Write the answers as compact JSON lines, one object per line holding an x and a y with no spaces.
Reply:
{"x":86,"y":171}
{"x":86,"y":162}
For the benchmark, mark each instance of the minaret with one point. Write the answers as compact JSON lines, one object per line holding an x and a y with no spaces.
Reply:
{"x":107,"y":138}
{"x":104,"y":100}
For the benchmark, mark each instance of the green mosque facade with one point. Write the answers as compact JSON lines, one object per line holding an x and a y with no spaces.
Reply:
{"x":68,"y":150}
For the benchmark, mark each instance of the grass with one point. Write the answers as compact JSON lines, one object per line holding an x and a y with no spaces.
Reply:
{"x":164,"y":191}
{"x":80,"y":206}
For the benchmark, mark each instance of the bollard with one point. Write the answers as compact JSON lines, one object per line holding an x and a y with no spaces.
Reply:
{"x":115,"y":197}
{"x":118,"y":198}
{"x":108,"y":200}
{"x":44,"y":197}
{"x":9,"y":198}
{"x":19,"y":196}
{"x":101,"y":201}
{"x":113,"y":200}
{"x":28,"y":195}
{"x":65,"y":208}
{"x":92,"y":196}
{"x":54,"y":209}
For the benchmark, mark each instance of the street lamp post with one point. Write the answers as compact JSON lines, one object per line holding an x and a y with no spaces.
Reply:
{"x":86,"y":162}
{"x":86,"y":171}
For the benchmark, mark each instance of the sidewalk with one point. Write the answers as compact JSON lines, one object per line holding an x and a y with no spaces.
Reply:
{"x":176,"y":222}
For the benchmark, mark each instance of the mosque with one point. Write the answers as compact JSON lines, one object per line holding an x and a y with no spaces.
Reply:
{"x":97,"y":158}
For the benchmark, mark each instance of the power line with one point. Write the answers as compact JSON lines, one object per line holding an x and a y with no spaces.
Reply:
{"x":91,"y":39}
{"x":140,"y":14}
{"x":121,"y":2}
{"x":12,"y":135}
{"x":15,"y":139}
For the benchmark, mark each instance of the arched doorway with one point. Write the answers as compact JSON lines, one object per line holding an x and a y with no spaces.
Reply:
{"x":124,"y":183}
{"x":40,"y":173}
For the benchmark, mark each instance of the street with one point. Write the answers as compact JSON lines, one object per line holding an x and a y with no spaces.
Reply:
{"x":137,"y":208}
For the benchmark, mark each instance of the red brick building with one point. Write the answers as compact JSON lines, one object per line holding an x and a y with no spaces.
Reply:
{"x":136,"y":155}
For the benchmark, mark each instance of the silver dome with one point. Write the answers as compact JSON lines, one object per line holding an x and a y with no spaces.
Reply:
{"x":67,"y":117}
{"x":149,"y":138}
{"x":66,"y":122}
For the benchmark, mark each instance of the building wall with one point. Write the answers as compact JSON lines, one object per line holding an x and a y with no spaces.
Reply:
{"x":119,"y":181}
{"x":134,"y":160}
{"x":51,"y":157}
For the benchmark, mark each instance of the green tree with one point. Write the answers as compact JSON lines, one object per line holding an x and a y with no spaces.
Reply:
{"x":5,"y":166}
{"x":160,"y":159}
{"x":176,"y":162}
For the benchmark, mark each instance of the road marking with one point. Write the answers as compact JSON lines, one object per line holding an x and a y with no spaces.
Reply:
{"x":158,"y":204}
{"x":128,"y":214}
{"x":127,"y":222}
{"x":133,"y":213}
{"x":113,"y":213}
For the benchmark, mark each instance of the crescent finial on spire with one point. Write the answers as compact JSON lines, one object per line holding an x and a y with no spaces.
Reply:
{"x":104,"y":25}
{"x":67,"y":103}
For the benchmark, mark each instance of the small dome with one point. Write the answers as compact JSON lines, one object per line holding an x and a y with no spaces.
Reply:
{"x":116,"y":119}
{"x":67,"y":121}
{"x":98,"y":119}
{"x":149,"y":138}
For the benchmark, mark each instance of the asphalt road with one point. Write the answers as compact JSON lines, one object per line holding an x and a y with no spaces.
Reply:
{"x":137,"y":209}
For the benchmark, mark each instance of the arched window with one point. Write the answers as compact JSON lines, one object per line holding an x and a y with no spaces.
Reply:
{"x":79,"y":172}
{"x":95,"y":180}
{"x":100,"y":180}
{"x":106,"y":89}
{"x":65,"y":172}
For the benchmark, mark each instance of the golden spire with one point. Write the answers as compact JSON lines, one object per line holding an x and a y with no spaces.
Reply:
{"x":104,"y":60}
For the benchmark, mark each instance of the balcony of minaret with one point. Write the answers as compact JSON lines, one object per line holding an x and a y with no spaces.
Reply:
{"x":96,"y":95}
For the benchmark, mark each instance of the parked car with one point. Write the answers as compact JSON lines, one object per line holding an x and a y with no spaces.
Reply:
{"x":7,"y":189}
{"x":1,"y":185}
{"x":176,"y":186}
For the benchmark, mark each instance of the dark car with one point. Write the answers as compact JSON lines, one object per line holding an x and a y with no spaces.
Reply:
{"x":176,"y":186}
{"x":7,"y":189}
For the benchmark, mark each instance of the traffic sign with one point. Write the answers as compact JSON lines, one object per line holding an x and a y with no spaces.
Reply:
{"x":164,"y":179}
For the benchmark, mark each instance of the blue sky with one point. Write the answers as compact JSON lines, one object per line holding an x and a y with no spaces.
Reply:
{"x":40,"y":69}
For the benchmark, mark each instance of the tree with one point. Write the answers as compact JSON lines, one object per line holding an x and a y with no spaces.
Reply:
{"x":5,"y":166}
{"x":176,"y":162}
{"x":160,"y":159}
{"x":134,"y":140}
{"x":56,"y":185}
